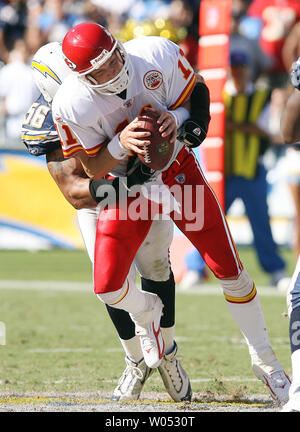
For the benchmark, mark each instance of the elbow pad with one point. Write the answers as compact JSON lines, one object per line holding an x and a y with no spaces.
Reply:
{"x":193,"y":131}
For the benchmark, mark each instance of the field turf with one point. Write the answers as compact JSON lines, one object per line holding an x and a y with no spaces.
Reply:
{"x":60,"y":340}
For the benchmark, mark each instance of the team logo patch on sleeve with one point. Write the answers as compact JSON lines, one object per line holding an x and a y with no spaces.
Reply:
{"x":153,"y":80}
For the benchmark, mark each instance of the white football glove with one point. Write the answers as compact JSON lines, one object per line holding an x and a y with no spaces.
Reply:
{"x":295,"y":74}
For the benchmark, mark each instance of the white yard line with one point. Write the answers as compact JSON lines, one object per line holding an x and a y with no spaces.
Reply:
{"x":45,"y":285}
{"x":37,"y":285}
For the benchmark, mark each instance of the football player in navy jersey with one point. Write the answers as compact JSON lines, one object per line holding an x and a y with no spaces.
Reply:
{"x":290,"y":129}
{"x":40,"y":137}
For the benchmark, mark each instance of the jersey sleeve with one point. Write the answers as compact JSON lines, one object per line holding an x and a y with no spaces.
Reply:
{"x":38,"y":131}
{"x":181,"y":78}
{"x":77,"y":123}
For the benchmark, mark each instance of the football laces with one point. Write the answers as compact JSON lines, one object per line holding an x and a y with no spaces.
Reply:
{"x":147,"y":155}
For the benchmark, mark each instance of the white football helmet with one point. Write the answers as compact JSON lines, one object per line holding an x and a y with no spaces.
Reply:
{"x":49,"y":69}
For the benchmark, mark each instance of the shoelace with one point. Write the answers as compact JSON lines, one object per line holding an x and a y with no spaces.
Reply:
{"x":134,"y":370}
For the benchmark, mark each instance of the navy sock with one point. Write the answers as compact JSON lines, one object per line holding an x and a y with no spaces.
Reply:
{"x":122,"y":322}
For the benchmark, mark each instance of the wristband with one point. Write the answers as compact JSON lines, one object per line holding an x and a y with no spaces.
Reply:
{"x":180,"y":114}
{"x":116,"y":149}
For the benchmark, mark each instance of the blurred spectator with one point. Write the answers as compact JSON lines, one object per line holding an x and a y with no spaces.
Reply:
{"x":247,"y":137}
{"x":172,"y":19}
{"x":121,"y":8}
{"x":12,"y":25}
{"x":97,"y":13}
{"x":57,"y":17}
{"x":17,"y":91}
{"x":258,"y":62}
{"x":277,"y":17}
{"x":142,"y":10}
{"x":182,"y":15}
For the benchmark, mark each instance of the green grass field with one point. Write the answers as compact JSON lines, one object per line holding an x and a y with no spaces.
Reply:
{"x":63,"y":341}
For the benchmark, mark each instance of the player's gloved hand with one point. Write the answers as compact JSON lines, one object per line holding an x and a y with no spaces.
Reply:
{"x":191,"y":134}
{"x":295,"y":74}
{"x":137,"y":172}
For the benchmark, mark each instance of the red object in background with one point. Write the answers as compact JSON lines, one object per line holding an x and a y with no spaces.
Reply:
{"x":217,"y":123}
{"x":214,"y":17}
{"x":214,"y":160}
{"x":213,"y":51}
{"x":215,"y":80}
{"x":257,"y":6}
{"x":278,"y":18}
{"x":213,"y":56}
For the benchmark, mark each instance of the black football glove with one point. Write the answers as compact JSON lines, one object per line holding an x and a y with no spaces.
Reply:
{"x":191,"y":133}
{"x":137,"y":174}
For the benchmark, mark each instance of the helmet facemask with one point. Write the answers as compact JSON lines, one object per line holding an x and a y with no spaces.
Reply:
{"x":117,"y":84}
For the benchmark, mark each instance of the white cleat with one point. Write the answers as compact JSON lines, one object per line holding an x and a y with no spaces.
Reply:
{"x":293,"y":405}
{"x":273,"y":376}
{"x":174,"y":377}
{"x":132,"y":380}
{"x":147,"y":327}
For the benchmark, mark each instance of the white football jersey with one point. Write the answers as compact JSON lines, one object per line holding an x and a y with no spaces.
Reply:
{"x":86,"y":119}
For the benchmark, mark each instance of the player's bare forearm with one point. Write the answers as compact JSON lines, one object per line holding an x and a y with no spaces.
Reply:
{"x":97,"y":166}
{"x":290,"y":119}
{"x":71,"y":179}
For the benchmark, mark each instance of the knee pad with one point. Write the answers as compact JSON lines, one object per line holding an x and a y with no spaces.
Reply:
{"x":152,"y":259}
{"x":240,"y":290}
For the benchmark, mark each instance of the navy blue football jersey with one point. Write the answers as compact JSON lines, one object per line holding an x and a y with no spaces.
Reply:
{"x":38,"y":131}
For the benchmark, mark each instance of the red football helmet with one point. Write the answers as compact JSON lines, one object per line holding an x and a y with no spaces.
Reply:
{"x":86,"y":47}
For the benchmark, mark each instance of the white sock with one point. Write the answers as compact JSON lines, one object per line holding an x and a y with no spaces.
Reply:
{"x":132,"y":348}
{"x":128,"y":298}
{"x":244,"y":305}
{"x":168,"y":336}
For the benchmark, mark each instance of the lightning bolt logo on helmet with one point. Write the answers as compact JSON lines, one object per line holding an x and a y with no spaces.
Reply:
{"x":45,"y":70}
{"x":45,"y":61}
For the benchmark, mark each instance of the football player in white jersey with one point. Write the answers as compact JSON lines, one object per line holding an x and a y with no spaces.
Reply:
{"x":95,"y":111}
{"x":290,"y":129}
{"x":152,"y":260}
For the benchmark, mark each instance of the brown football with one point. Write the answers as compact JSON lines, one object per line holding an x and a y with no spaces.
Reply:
{"x":160,"y":150}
